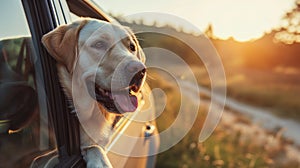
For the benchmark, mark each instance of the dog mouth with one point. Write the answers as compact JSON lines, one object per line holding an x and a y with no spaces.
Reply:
{"x":123,"y":100}
{"x":118,"y":100}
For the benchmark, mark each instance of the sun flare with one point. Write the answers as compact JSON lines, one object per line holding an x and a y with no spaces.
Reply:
{"x":241,"y":19}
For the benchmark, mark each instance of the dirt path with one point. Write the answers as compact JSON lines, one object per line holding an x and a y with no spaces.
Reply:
{"x":255,"y":125}
{"x":259,"y":116}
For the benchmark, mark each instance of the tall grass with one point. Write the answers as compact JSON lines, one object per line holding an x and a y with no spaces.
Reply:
{"x":228,"y":147}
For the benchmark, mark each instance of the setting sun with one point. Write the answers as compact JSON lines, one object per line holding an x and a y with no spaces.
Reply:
{"x":240,"y":19}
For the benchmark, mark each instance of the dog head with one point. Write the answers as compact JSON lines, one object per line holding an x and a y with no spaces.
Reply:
{"x":107,"y":57}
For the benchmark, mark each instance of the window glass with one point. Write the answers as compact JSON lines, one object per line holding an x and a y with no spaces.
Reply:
{"x":74,"y":17}
{"x":24,"y":128}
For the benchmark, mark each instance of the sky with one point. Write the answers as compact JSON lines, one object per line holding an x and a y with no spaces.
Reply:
{"x":12,"y":19}
{"x":241,"y":19}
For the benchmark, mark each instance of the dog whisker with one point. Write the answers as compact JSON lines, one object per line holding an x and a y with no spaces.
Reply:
{"x":150,"y":77}
{"x":140,"y":39}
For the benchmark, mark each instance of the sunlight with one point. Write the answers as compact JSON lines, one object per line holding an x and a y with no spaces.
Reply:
{"x":241,"y":19}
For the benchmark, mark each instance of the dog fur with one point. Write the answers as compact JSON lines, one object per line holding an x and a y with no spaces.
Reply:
{"x":109,"y":55}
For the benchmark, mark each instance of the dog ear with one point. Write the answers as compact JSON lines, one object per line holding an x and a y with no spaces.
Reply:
{"x":61,"y":43}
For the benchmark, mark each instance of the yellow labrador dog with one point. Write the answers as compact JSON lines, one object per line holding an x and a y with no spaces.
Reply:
{"x":101,"y":69}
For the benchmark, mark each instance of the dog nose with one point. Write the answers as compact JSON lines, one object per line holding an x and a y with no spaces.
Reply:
{"x":135,"y":67}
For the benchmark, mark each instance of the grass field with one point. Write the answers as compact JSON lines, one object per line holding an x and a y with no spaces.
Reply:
{"x":227,"y":147}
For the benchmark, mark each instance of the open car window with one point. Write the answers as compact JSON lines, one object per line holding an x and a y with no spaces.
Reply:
{"x":24,"y":126}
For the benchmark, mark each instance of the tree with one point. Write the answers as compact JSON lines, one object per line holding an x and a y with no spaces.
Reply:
{"x":209,"y":32}
{"x":290,"y":31}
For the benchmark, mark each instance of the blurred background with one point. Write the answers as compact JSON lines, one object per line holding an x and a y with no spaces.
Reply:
{"x":258,"y":42}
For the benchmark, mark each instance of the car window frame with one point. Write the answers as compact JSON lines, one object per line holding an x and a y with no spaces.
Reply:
{"x":43,"y":16}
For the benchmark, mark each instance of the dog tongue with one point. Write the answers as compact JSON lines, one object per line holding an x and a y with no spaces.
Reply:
{"x":128,"y":103}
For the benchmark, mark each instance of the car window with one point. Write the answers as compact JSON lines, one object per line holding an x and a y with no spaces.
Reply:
{"x":24,"y":126}
{"x":74,"y":16}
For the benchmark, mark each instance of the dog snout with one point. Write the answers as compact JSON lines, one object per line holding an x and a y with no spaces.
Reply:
{"x":135,"y":67}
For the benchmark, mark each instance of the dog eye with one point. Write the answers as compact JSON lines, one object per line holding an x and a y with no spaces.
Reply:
{"x":132,"y":47}
{"x":100,"y":45}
